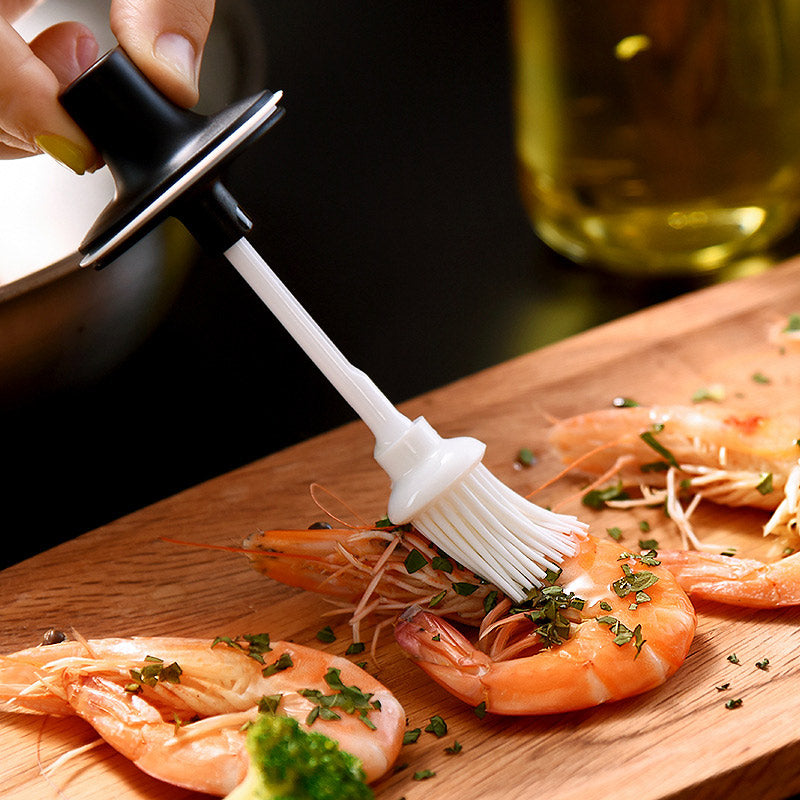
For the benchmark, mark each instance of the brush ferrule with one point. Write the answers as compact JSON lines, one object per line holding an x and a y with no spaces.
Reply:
{"x":422,"y":465}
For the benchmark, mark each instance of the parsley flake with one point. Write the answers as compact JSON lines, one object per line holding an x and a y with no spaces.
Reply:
{"x":154,"y":672}
{"x":442,"y":564}
{"x":326,"y":635}
{"x":597,"y":498}
{"x":268,"y":704}
{"x":526,"y":457}
{"x":648,"y":437}
{"x":410,"y":737}
{"x":347,"y":699}
{"x":765,"y":484}
{"x":415,"y":561}
{"x":437,"y":726}
{"x":283,"y":662}
{"x":255,"y":645}
{"x":624,"y":402}
{"x":792,"y":324}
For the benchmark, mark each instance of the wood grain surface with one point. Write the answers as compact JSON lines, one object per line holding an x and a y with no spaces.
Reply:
{"x":676,"y":741}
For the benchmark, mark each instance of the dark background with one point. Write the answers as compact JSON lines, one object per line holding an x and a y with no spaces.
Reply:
{"x":387,"y":200}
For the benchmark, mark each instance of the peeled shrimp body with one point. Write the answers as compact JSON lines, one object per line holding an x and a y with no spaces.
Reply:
{"x":726,"y":453}
{"x":588,"y":668}
{"x":189,"y":732}
{"x":736,"y":581}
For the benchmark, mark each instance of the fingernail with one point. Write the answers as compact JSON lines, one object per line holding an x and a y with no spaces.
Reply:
{"x":178,"y":53}
{"x":62,"y":150}
{"x":85,"y":52}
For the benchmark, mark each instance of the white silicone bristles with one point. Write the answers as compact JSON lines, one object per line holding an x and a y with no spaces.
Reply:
{"x":497,"y":533}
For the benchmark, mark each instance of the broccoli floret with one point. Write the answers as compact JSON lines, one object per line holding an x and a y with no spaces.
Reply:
{"x":288,"y":762}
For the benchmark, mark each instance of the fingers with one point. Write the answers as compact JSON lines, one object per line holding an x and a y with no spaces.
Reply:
{"x":166,"y":39}
{"x":68,"y":49}
{"x":31,"y":118}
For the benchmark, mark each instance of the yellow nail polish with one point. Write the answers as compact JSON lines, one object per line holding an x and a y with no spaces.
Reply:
{"x":63,"y":150}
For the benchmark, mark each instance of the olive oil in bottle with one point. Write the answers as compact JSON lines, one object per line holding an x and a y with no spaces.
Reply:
{"x":658,"y":136}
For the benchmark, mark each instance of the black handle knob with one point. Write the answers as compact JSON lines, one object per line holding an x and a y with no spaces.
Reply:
{"x":165,"y":160}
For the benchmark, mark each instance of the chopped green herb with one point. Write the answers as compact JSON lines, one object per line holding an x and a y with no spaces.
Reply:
{"x":623,"y":634}
{"x":733,"y":658}
{"x":348,"y":699}
{"x":633,"y":582}
{"x":326,"y":635}
{"x":763,"y":664}
{"x":410,"y":737}
{"x":463,"y":588}
{"x":355,"y":648}
{"x":605,"y":606}
{"x":442,"y":564}
{"x":624,"y":402}
{"x":424,"y":774}
{"x":414,"y":561}
{"x":544,"y":608}
{"x":490,"y":601}
{"x":648,"y":544}
{"x":437,"y":726}
{"x":733,"y":703}
{"x":480,"y":710}
{"x":282,"y":663}
{"x":597,"y":498}
{"x":648,"y":437}
{"x":268,"y":704}
{"x":387,"y":523}
{"x":793,"y":323}
{"x":765,"y":484}
{"x":526,"y":457}
{"x":714,"y":393}
{"x":155,"y":671}
{"x":722,"y":687}
{"x":437,"y":598}
{"x":436,"y":638}
{"x":615,"y":533}
{"x":644,"y":526}
{"x":654,"y":466}
{"x":256,"y":645}
{"x":759,"y":377}
{"x":649,"y":558}
{"x":454,"y":748}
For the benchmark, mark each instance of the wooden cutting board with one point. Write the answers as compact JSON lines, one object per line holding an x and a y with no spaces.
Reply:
{"x":676,"y":741}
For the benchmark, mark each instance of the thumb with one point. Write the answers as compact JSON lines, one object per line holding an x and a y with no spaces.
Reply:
{"x":165,"y":38}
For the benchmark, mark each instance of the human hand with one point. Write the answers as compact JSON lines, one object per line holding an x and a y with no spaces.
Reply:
{"x":165,"y":38}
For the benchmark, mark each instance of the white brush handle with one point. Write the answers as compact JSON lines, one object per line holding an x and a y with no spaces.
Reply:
{"x":356,"y":387}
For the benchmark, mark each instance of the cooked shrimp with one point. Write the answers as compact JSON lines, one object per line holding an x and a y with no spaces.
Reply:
{"x":736,"y":581}
{"x":370,"y":571}
{"x":177,"y":707}
{"x":728,"y":453}
{"x":620,"y":643}
{"x":722,"y":455}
